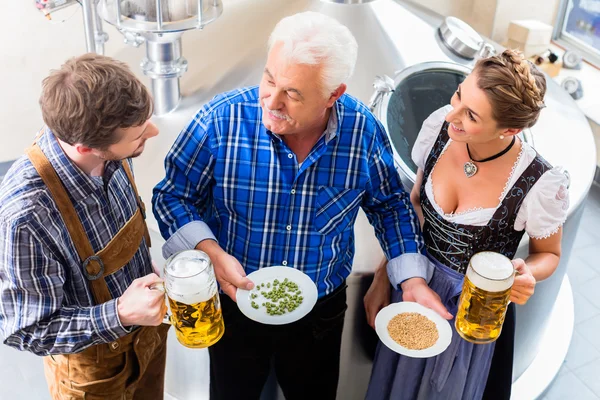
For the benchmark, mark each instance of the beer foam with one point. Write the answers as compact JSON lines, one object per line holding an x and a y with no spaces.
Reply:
{"x":191,"y":290}
{"x":491,"y":271}
{"x":187,"y":279}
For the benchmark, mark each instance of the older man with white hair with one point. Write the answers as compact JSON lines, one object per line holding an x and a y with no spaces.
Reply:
{"x":275,"y":175}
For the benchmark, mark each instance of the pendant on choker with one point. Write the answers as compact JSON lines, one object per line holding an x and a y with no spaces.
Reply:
{"x":470,"y":169}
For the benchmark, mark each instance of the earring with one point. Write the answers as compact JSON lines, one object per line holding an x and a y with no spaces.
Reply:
{"x":501,"y":137}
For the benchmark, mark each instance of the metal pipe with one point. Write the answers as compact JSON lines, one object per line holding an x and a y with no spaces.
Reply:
{"x":200,"y":11}
{"x":166,"y":94}
{"x":118,"y":10}
{"x":159,"y":16}
{"x":164,"y":65}
{"x":88,"y":26}
{"x":100,"y":36}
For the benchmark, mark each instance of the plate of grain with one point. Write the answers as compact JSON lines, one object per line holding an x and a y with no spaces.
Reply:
{"x":413,"y":330}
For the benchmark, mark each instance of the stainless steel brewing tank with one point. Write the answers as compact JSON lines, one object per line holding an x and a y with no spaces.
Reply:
{"x":392,"y":36}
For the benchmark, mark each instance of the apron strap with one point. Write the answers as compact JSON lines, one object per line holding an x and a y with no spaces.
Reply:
{"x":63,"y":202}
{"x":139,"y":200}
{"x":120,"y":250}
{"x":117,"y":253}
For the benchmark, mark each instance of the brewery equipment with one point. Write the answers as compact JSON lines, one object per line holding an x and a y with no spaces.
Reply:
{"x":158,"y":23}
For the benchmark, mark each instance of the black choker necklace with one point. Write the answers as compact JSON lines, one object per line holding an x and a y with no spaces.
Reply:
{"x":470,"y":167}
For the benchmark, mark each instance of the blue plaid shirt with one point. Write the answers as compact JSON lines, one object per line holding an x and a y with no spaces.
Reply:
{"x":46,"y":304}
{"x":230,"y":179}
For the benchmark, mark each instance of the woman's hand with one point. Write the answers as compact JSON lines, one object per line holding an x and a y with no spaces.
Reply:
{"x":524,"y":284}
{"x":378,"y":295}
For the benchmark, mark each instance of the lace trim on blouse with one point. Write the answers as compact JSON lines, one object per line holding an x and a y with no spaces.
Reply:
{"x":507,"y":186}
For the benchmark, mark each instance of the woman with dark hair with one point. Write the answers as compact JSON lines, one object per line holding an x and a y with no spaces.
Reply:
{"x":478,"y":188}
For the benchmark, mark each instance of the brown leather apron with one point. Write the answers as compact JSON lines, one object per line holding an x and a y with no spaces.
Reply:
{"x":131,"y":367}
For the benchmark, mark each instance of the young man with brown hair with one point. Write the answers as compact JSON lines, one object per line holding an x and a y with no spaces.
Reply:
{"x":75,"y":267}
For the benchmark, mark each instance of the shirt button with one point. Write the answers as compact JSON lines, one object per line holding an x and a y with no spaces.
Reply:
{"x":289,"y":227}
{"x":293,"y":191}
{"x":284,"y":263}
{"x":290,"y":155}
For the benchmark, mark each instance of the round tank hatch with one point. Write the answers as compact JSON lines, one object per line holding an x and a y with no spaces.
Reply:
{"x":413,"y":100}
{"x":417,"y":92}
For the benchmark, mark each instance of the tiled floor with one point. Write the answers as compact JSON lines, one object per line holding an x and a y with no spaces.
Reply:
{"x":579,"y":377}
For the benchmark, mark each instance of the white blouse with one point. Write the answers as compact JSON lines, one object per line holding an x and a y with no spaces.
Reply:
{"x":543,"y":210}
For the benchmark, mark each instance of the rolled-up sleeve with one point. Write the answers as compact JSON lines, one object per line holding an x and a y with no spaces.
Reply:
{"x":410,"y":265}
{"x":32,"y":317}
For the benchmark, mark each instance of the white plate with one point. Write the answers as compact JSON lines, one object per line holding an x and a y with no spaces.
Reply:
{"x":268,"y":275}
{"x":386,"y":314}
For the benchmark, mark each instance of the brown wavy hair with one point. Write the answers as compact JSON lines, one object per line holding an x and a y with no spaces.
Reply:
{"x":89,"y":97}
{"x":514,"y":87}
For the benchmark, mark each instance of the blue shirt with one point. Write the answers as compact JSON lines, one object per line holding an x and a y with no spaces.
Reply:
{"x":46,"y":303}
{"x":230,"y":179}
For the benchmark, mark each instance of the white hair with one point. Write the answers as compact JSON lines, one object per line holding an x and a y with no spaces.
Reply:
{"x":313,"y":38}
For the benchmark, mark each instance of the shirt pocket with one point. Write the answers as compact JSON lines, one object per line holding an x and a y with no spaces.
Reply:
{"x":336,"y":209}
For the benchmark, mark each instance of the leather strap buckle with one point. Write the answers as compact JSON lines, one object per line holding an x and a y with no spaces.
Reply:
{"x":87,"y":262}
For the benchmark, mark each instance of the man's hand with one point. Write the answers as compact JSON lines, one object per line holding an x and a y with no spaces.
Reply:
{"x":416,"y":289}
{"x":524,"y":284}
{"x":140,"y":305}
{"x":228,"y":270}
{"x":378,"y":295}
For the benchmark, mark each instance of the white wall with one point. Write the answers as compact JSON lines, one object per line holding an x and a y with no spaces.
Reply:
{"x":457,"y":8}
{"x":508,"y":10}
{"x":491,"y":17}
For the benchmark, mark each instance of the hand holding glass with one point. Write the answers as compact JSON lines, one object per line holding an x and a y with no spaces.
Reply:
{"x":191,"y":288}
{"x":484,"y":298}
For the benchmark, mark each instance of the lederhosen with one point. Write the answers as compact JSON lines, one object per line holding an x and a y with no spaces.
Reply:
{"x":461,"y":371}
{"x":110,"y":370}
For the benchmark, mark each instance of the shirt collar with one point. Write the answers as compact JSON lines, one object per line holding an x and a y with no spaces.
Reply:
{"x":77,"y":183}
{"x":333,"y":125}
{"x":332,"y":128}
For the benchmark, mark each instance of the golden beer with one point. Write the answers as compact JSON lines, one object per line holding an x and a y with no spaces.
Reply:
{"x":191,"y":288}
{"x":197,"y":325}
{"x":484,"y":297}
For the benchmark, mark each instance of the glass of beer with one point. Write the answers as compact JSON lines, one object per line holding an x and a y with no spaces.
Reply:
{"x":484,"y":298}
{"x":191,"y":288}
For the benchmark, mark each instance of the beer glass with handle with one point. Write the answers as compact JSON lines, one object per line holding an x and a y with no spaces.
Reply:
{"x":191,"y":288}
{"x":484,"y":298}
